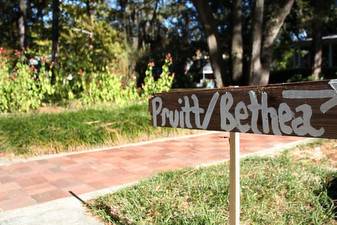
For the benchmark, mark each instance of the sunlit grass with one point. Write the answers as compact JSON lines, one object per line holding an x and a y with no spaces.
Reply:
{"x":278,"y":191}
{"x":41,"y":133}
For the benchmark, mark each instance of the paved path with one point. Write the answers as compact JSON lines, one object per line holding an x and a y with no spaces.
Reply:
{"x":28,"y":183}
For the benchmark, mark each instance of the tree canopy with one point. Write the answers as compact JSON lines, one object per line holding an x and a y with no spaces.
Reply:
{"x":245,"y":41}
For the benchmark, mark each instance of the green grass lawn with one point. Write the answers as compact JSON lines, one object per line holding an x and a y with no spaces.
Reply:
{"x":34,"y":134}
{"x":277,"y":190}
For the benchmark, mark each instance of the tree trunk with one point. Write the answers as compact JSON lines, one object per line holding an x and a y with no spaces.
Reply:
{"x":262,"y":52}
{"x":257,"y":23}
{"x":90,"y":13}
{"x":55,"y":30}
{"x":316,"y":48}
{"x":90,"y":10}
{"x":29,"y":14}
{"x":206,"y":18}
{"x":22,"y":24}
{"x":237,"y":47}
{"x":273,"y":27}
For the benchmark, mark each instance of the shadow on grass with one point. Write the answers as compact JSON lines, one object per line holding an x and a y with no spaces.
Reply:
{"x":112,"y":213}
{"x":332,"y":194}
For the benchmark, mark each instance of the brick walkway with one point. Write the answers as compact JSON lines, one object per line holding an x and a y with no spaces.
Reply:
{"x":27,"y":183}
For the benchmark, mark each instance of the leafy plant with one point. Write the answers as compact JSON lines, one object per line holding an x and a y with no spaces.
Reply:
{"x":26,"y":82}
{"x":107,"y":88}
{"x":164,"y":82}
{"x":23,"y":88}
{"x":92,"y":46}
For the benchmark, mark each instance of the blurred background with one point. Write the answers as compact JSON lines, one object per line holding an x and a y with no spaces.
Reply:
{"x":54,"y":51}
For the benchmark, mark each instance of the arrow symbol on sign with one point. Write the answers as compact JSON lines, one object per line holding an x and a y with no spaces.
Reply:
{"x":314,"y":94}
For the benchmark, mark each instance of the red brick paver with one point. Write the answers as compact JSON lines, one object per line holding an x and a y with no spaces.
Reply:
{"x":27,"y":183}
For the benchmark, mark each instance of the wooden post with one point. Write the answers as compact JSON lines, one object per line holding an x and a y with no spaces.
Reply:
{"x":234,"y":173}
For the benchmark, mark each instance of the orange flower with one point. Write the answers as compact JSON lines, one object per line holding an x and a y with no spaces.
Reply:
{"x":17,"y":53}
{"x":169,"y":58}
{"x":151,"y":64}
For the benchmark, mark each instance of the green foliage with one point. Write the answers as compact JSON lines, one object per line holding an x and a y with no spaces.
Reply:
{"x":284,"y":60}
{"x":23,"y":88}
{"x":91,"y":46}
{"x":27,"y":81}
{"x":300,"y":78}
{"x":107,"y":88}
{"x":164,"y":82}
{"x":91,"y":53}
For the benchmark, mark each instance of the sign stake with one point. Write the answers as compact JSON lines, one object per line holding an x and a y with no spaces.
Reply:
{"x":234,"y":174}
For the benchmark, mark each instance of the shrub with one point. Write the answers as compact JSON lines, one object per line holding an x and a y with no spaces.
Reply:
{"x":24,"y":87}
{"x":107,"y":88}
{"x":164,"y":82}
{"x":93,"y":46}
{"x":26,"y":84}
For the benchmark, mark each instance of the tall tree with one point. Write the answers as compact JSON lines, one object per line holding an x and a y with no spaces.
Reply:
{"x":213,"y":41}
{"x":55,"y":29}
{"x":90,"y":13}
{"x":237,"y":46}
{"x":22,"y":23}
{"x":272,"y":27}
{"x":317,"y":50}
{"x":320,"y":11}
{"x":257,"y":23}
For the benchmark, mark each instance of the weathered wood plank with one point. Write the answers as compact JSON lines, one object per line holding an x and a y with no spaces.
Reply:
{"x":306,"y":109}
{"x":234,"y":176}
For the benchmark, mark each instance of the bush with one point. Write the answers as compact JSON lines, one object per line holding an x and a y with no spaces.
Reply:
{"x":24,"y":87}
{"x":107,"y":88}
{"x":92,"y":46}
{"x":26,"y":82}
{"x":164,"y":82}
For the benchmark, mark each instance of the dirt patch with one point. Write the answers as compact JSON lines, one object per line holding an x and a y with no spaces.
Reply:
{"x":324,"y":150}
{"x":50,"y":109}
{"x":329,"y":149}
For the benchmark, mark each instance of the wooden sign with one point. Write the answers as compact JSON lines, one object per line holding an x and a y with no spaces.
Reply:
{"x":307,"y":109}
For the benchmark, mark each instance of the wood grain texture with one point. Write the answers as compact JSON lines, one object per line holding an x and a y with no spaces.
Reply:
{"x":234,"y":175}
{"x":327,"y":120}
